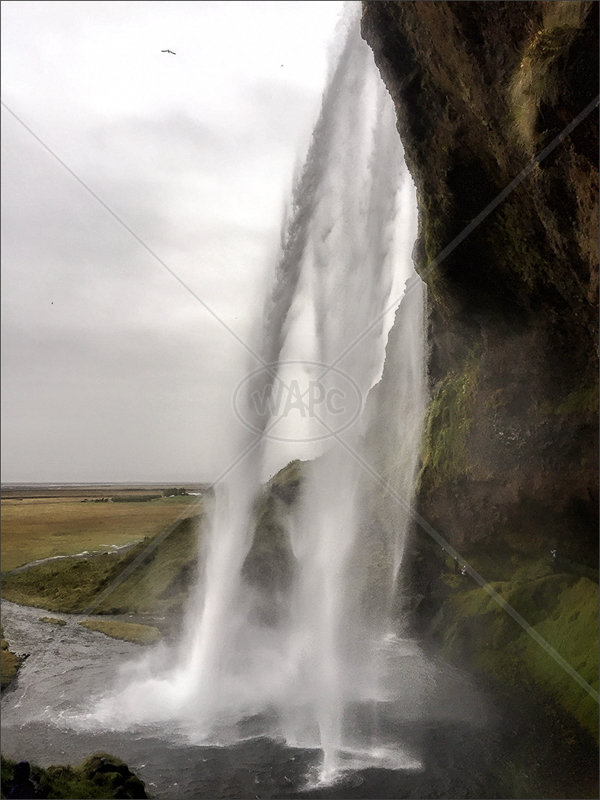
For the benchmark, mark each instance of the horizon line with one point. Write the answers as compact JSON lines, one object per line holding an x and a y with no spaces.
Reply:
{"x":105,"y":483}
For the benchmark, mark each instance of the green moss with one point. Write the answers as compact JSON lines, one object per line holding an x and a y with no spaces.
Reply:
{"x":269,"y":563}
{"x":533,"y":570}
{"x":435,"y":237}
{"x":572,"y":630}
{"x":68,"y":585}
{"x":7,"y":774}
{"x":68,"y":783}
{"x":518,"y":236}
{"x":100,"y":776}
{"x":541,"y":79}
{"x":53,"y":620}
{"x":126,"y":631}
{"x":449,"y":420}
{"x":10,"y":663}
{"x":496,"y":400}
{"x":579,"y":401}
{"x":562,"y":608}
{"x":582,"y":400}
{"x":452,"y":580}
{"x":536,"y":599}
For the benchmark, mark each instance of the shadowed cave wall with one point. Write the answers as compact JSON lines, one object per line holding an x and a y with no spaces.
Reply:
{"x":510,"y":455}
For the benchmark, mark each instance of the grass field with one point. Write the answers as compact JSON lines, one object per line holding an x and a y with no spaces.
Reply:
{"x":158,"y":586}
{"x":40,"y":527}
{"x":127,"y":631}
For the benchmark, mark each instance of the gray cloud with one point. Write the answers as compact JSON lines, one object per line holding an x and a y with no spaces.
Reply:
{"x":111,"y":370}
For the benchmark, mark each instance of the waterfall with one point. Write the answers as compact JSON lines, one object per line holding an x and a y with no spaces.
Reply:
{"x":345,"y":255}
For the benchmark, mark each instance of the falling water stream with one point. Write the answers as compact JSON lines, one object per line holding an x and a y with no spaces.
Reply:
{"x":348,"y":240}
{"x":237,"y":706}
{"x":345,"y":252}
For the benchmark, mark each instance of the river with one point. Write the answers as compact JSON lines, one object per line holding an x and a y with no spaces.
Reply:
{"x":442,"y":735}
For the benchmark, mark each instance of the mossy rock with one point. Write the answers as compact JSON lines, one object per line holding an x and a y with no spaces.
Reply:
{"x":449,"y":419}
{"x":99,"y":776}
{"x":102,"y":767}
{"x":270,"y":562}
{"x":10,"y":664}
{"x":287,"y":482}
{"x":561,"y":608}
{"x":545,"y":74}
{"x":572,"y":630}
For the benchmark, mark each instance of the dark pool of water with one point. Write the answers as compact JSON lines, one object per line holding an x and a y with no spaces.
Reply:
{"x":467,"y":744}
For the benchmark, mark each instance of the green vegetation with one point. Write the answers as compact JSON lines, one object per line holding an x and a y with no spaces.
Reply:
{"x":159,"y":585}
{"x":99,"y":776}
{"x":127,"y":631}
{"x":269,"y":564}
{"x":581,"y":400}
{"x":561,"y":607}
{"x":287,"y":482}
{"x":572,"y":629}
{"x":53,"y":620}
{"x":541,"y":78}
{"x":10,"y":664}
{"x":66,"y":586}
{"x":517,"y":237}
{"x":135,"y":498}
{"x":36,"y":528}
{"x":174,"y":492}
{"x":449,"y":419}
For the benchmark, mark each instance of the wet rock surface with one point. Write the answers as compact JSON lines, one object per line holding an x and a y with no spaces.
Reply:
{"x":510,"y":456}
{"x":447,"y":735}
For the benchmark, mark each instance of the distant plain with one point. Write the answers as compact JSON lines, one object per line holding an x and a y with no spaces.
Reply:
{"x":40,"y":523}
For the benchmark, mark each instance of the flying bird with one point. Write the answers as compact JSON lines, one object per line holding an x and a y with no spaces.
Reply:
{"x":169,"y":51}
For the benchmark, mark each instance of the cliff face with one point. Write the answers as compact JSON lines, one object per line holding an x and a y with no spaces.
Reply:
{"x":509,"y":464}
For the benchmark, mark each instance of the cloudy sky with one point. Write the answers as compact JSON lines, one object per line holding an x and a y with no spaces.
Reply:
{"x":111,"y":370}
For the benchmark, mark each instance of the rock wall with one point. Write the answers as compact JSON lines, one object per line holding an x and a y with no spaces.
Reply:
{"x":510,"y":458}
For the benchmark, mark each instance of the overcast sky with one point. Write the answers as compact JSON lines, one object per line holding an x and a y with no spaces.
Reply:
{"x":111,"y":370}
